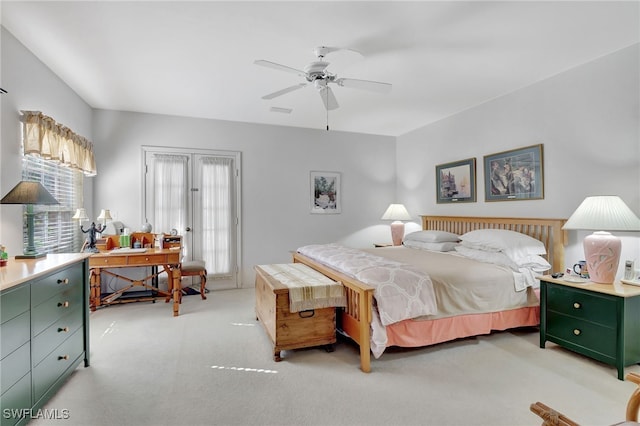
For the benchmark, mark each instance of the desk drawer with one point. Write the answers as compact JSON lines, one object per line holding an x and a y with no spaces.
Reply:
{"x":45,"y":314}
{"x":585,"y":334}
{"x":13,"y":302}
{"x":106,"y":261}
{"x":15,"y":333}
{"x":581,"y":304}
{"x":47,"y":287}
{"x":55,"y":334}
{"x":151,"y":259}
{"x":56,"y":363}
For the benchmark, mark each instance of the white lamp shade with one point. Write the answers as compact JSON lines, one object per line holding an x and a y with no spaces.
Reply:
{"x":81,"y":214}
{"x":105,"y":215}
{"x":603,"y":213}
{"x":396,"y":212}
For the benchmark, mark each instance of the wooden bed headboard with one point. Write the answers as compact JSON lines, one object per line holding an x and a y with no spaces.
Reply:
{"x":549,"y":231}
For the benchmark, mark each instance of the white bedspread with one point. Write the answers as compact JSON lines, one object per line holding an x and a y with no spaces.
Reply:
{"x":401,"y":291}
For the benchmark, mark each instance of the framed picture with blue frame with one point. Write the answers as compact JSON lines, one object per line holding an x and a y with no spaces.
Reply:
{"x":456,"y":182}
{"x":514,"y":175}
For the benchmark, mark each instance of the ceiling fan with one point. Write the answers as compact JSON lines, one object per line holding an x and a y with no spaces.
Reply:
{"x":316,"y":74}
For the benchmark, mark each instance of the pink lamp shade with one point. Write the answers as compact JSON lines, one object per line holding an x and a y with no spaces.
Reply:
{"x":397,"y":213}
{"x":602,"y":249}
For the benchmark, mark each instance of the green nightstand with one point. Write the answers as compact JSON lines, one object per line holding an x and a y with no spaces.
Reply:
{"x":601,"y":321}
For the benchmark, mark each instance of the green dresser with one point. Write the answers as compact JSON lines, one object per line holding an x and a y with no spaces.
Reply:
{"x":44,"y":334}
{"x":601,"y":321}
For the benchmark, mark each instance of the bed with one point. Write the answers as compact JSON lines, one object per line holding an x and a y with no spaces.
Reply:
{"x":358,"y":318}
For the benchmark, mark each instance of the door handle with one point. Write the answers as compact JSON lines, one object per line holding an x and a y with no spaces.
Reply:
{"x":188,"y":229}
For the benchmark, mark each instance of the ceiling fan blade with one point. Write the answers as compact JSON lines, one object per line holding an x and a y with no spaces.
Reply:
{"x":328,"y":98}
{"x":284,"y":91}
{"x":374,"y":86}
{"x":280,"y":67}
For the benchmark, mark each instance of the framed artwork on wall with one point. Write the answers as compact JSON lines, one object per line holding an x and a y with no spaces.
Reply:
{"x":325,"y":193}
{"x":456,"y":182}
{"x":514,"y":175}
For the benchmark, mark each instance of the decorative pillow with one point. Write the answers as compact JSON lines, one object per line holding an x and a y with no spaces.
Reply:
{"x":485,"y":256}
{"x":513,"y":244}
{"x":432,"y":237}
{"x":446,"y":246}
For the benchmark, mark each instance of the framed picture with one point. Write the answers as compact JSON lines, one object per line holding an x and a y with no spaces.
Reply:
{"x":514,"y":175}
{"x":325,"y":193}
{"x":456,"y":182}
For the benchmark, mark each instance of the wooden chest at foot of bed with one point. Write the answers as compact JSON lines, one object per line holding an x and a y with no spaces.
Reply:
{"x":291,"y":330}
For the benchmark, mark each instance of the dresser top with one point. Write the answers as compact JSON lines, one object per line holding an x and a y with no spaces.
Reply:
{"x":615,"y":289}
{"x":18,"y":271}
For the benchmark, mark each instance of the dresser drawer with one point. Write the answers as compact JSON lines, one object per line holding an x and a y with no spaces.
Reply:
{"x":48,"y":312}
{"x":56,"y":363}
{"x":55,"y":334}
{"x":581,"y":304}
{"x":14,"y":366}
{"x":13,"y":302}
{"x":588,"y":335}
{"x":15,"y":333}
{"x":48,"y":286}
{"x":16,"y":398}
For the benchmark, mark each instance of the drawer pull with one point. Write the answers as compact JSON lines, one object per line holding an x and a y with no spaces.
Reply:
{"x":577,"y":305}
{"x":63,"y":358}
{"x":64,"y":281}
{"x":64,"y":304}
{"x":63,"y":330}
{"x":576,"y":331}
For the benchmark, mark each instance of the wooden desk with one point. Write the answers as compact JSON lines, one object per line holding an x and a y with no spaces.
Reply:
{"x":169,"y":260}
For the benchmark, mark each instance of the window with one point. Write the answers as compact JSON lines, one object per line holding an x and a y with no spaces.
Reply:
{"x":55,"y":231}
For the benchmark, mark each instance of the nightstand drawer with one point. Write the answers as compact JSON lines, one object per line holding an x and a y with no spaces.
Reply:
{"x":581,"y":304}
{"x":585,"y":334}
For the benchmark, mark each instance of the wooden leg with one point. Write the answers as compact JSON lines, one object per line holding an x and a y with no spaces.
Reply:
{"x":276,"y":356}
{"x":203,"y":283}
{"x":177,"y":290}
{"x":95,"y":289}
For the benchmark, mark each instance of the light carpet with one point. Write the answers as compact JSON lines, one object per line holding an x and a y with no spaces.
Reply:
{"x":213,"y":365}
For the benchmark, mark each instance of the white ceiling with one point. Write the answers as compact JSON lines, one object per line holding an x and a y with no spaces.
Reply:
{"x":196,"y":58}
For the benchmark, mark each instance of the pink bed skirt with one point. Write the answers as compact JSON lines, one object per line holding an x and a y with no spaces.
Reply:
{"x":411,"y":333}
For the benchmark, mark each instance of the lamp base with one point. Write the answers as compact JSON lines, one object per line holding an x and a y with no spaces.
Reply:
{"x":602,"y":253}
{"x":397,"y":232}
{"x":31,"y":256}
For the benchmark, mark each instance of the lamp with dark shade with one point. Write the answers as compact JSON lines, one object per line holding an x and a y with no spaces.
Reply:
{"x":396,"y":213}
{"x":601,"y":249}
{"x":29,"y":193}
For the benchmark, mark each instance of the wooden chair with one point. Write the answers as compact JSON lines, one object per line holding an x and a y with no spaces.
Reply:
{"x":552,"y":417}
{"x":194,"y":268}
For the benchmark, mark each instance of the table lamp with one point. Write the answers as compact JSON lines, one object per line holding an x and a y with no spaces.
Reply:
{"x":81,"y":214}
{"x":397,"y":213}
{"x":105,"y":215}
{"x":601,"y":249}
{"x":29,"y":193}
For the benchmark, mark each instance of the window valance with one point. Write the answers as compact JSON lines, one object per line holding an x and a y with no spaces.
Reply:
{"x":45,"y":138}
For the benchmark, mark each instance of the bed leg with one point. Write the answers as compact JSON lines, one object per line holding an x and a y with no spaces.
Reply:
{"x":364,"y":308}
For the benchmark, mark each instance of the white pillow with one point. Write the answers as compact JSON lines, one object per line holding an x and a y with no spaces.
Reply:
{"x":446,"y":246}
{"x":534,"y":262}
{"x":432,"y":237}
{"x":485,"y":256}
{"x":513,"y":244}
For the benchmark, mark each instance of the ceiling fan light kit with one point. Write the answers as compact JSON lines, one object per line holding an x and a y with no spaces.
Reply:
{"x":316,"y":73}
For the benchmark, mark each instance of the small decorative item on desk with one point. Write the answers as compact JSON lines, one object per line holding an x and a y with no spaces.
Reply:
{"x":4,"y":256}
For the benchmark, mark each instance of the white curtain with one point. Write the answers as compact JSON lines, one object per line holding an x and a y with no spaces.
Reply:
{"x":217,"y":206}
{"x":170,"y":192}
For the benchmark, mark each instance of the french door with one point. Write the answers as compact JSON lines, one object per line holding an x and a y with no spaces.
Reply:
{"x":197,"y":194}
